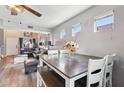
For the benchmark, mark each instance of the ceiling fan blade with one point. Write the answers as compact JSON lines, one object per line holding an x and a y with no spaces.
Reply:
{"x":31,"y":10}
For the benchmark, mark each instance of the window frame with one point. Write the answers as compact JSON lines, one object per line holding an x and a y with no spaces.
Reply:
{"x":102,"y":16}
{"x":61,"y":34}
{"x":76,"y":25}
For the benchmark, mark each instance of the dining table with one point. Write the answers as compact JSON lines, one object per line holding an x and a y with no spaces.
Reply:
{"x":70,"y":67}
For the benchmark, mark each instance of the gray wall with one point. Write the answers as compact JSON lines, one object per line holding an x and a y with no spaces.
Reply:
{"x":1,"y":36}
{"x":100,"y":43}
{"x":2,"y":41}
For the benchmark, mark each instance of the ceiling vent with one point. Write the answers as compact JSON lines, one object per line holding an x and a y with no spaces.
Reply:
{"x":30,"y":27}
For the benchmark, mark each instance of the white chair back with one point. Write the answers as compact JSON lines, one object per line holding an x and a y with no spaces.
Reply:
{"x":107,"y":80}
{"x":95,"y":72}
{"x":53,"y":52}
{"x":63,"y":52}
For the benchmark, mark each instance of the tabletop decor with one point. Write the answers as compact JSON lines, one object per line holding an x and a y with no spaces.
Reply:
{"x":71,"y":47}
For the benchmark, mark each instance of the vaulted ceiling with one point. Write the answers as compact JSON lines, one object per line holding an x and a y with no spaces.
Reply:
{"x":52,"y":15}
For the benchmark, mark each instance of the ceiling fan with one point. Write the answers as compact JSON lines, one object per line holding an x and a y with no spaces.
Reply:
{"x":15,"y":9}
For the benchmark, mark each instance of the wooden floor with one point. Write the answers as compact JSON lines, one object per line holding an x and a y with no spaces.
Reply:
{"x":12,"y":75}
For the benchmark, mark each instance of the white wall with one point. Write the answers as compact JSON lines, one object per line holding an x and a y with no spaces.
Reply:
{"x":100,"y":43}
{"x":12,"y":44}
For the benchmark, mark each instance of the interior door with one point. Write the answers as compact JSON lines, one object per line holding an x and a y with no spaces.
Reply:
{"x":11,"y":46}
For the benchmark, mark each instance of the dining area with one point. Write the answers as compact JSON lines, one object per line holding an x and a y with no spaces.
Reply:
{"x":59,"y":68}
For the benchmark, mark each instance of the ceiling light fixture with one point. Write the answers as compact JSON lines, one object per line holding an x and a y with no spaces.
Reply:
{"x":16,"y":8}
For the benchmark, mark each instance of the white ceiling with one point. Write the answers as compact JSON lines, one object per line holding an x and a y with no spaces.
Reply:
{"x":52,"y":15}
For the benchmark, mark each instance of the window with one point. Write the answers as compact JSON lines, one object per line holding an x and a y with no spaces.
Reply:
{"x":62,"y":34}
{"x":76,"y":29}
{"x":104,"y":23}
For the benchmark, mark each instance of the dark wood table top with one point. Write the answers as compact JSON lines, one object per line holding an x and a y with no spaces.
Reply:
{"x":70,"y":66}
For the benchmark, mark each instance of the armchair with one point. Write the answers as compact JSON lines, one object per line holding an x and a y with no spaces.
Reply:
{"x":30,"y":65}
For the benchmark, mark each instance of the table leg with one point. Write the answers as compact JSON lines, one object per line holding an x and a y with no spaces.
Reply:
{"x":69,"y":83}
{"x":41,"y":63}
{"x":38,"y":81}
{"x":41,"y":83}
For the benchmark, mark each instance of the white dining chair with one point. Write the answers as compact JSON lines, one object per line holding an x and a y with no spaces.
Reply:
{"x":53,"y":52}
{"x":107,"y":80}
{"x":95,"y":72}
